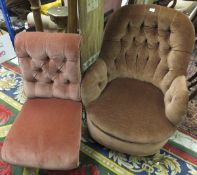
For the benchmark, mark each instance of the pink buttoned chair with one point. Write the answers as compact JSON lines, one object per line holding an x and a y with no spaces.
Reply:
{"x":46,"y":133}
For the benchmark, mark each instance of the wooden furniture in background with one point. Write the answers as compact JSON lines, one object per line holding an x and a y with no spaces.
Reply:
{"x":85,"y":17}
{"x":91,"y":24}
{"x":72,"y":16}
{"x":35,"y":7}
{"x":59,"y":15}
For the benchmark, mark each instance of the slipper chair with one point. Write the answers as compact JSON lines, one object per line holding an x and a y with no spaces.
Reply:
{"x":46,"y":133}
{"x":135,"y":94}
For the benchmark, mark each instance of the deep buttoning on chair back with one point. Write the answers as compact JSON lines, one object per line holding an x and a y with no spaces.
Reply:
{"x":148,"y":42}
{"x":50,"y":64}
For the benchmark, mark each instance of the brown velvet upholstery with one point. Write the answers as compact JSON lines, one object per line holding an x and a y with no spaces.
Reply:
{"x":135,"y":93}
{"x":130,"y":107}
{"x":112,"y":5}
{"x":47,"y":131}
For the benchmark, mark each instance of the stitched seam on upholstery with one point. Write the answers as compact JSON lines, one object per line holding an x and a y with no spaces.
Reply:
{"x":173,"y":19}
{"x":75,"y":61}
{"x":158,"y":26}
{"x":147,"y":58}
{"x":126,"y":61}
{"x":123,"y":140}
{"x":136,"y":64}
{"x":34,"y":76}
{"x":60,"y":67}
{"x":167,"y":71}
{"x":157,"y":67}
{"x":46,"y":41}
{"x":111,"y":40}
{"x":146,"y":62}
{"x":158,"y":41}
{"x":182,"y":51}
{"x":175,"y":69}
{"x":171,"y":30}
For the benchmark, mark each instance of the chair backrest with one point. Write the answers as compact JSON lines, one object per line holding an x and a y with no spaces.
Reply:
{"x":50,"y":64}
{"x":111,"y":5}
{"x":148,"y":42}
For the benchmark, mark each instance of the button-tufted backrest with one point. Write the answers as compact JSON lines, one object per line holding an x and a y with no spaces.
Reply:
{"x":148,"y":42}
{"x":50,"y":64}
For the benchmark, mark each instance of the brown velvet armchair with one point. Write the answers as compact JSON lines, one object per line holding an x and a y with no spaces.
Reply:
{"x":135,"y":94}
{"x":47,"y":131}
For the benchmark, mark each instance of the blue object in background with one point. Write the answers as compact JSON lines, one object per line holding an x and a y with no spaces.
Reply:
{"x":7,"y":20}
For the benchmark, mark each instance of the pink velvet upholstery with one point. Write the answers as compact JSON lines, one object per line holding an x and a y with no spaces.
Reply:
{"x":49,"y":69}
{"x":47,"y":131}
{"x":46,"y":134}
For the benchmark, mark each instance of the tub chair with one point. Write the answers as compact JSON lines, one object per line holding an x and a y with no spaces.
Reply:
{"x":135,"y":94}
{"x":46,"y":133}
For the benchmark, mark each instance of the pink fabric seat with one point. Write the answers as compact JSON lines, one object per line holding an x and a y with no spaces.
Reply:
{"x":47,"y":131}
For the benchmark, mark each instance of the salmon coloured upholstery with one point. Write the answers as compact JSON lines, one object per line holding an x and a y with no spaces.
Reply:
{"x":50,"y":69}
{"x":47,"y":131}
{"x":35,"y":141}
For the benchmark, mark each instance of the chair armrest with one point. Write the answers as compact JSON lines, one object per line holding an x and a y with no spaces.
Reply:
{"x":176,"y":100}
{"x":94,"y":82}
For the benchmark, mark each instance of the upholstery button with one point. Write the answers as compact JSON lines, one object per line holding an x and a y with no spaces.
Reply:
{"x":58,"y":71}
{"x":39,"y":69}
{"x":108,"y":74}
{"x":128,"y":26}
{"x":33,"y":80}
{"x":146,"y":43}
{"x":52,"y":81}
{"x":159,"y":60}
{"x":64,"y":60}
{"x":67,"y":82}
{"x":100,"y":84}
{"x":35,"y":75}
{"x":142,"y":25}
{"x":46,"y":59}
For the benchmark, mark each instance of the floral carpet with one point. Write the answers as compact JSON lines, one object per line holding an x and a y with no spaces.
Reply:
{"x":177,"y":157}
{"x":189,"y":125}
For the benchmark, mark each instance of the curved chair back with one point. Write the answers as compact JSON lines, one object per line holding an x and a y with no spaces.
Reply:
{"x":148,"y":42}
{"x":49,"y":69}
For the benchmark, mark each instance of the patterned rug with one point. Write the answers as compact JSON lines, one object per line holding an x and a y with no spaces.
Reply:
{"x":177,"y":157}
{"x":189,"y":125}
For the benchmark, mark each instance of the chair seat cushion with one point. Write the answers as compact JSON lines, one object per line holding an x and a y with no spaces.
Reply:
{"x":46,"y":134}
{"x":132,"y":111}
